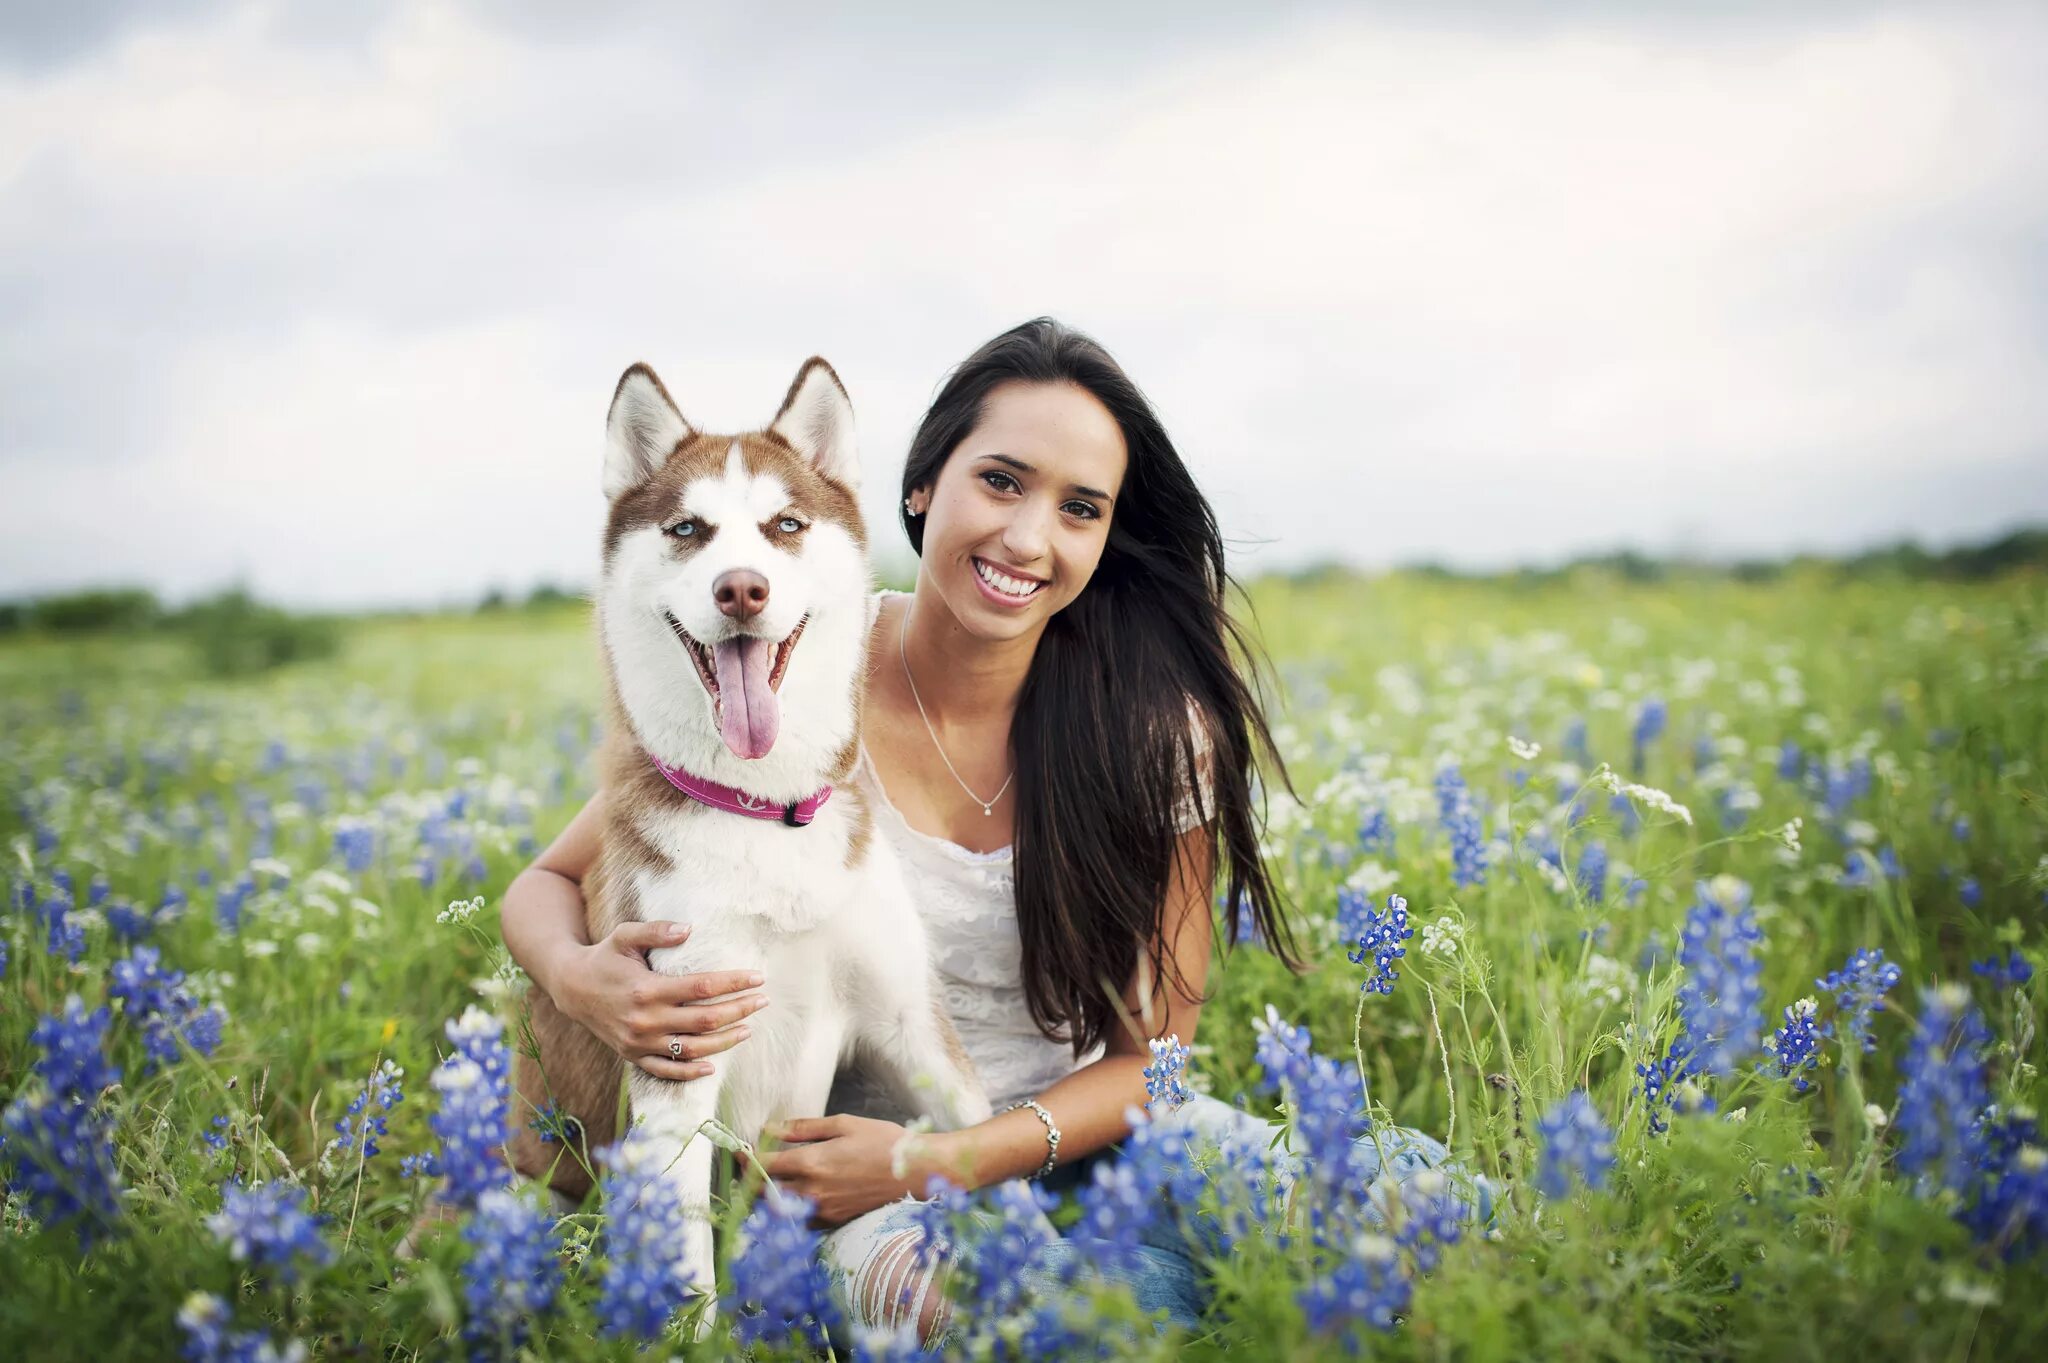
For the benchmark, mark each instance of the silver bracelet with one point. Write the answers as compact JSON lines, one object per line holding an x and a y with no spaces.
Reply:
{"x":1052,"y":1134}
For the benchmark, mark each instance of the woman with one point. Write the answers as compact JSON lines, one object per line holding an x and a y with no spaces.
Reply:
{"x":1034,"y":710}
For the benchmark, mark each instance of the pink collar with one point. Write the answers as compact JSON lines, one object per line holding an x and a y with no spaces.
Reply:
{"x":796,"y":815}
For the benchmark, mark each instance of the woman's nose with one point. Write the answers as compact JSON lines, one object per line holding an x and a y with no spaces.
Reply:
{"x":1027,"y":536}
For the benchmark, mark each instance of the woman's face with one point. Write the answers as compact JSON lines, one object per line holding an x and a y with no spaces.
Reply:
{"x":1018,"y":518}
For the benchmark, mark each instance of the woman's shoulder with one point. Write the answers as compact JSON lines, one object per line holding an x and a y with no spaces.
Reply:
{"x":875,"y":600}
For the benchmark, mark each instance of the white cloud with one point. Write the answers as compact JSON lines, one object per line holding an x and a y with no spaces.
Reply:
{"x":1468,"y":293}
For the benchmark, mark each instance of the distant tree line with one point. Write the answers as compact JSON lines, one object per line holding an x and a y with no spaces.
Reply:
{"x":233,"y":633}
{"x":2020,"y":552}
{"x":237,"y":634}
{"x":547,"y":596}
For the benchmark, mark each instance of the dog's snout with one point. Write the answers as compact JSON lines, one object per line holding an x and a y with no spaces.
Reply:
{"x":740,"y":593}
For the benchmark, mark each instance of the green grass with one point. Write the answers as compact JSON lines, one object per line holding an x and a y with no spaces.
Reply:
{"x":1788,"y":1233}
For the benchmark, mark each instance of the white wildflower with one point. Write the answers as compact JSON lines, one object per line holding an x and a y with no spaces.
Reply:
{"x":1745,"y":798}
{"x":460,"y":910}
{"x":309,"y":943}
{"x":1605,"y":980}
{"x":503,"y":984}
{"x":1862,"y":832}
{"x":1658,"y":800}
{"x":270,"y":866}
{"x":1959,"y":1289}
{"x":1373,"y":1248}
{"x":474,"y":1024}
{"x":1874,"y":1116}
{"x":324,"y":881}
{"x":1527,"y":752}
{"x":366,"y":908}
{"x":260,"y":947}
{"x":1789,"y":834}
{"x":1371,"y":878}
{"x":1952,"y":997}
{"x":1443,"y":937}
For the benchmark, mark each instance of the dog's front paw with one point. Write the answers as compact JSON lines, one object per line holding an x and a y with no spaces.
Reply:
{"x":964,"y":1108}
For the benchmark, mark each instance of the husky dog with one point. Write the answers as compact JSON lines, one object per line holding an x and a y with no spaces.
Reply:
{"x":732,"y":611}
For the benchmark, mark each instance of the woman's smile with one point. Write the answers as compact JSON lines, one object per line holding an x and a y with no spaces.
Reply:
{"x":1003,"y":587}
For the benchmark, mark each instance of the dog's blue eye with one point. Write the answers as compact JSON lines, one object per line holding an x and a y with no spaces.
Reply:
{"x":789,"y":525}
{"x":682,"y":530}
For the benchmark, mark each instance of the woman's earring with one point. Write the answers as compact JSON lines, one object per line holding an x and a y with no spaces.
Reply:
{"x":910,"y":510}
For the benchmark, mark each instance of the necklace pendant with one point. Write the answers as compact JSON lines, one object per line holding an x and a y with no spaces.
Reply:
{"x":988,"y":811}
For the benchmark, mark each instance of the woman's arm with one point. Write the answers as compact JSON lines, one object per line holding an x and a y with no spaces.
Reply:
{"x":542,"y":916}
{"x":607,"y":986}
{"x":846,"y":1164}
{"x":1088,"y":1105}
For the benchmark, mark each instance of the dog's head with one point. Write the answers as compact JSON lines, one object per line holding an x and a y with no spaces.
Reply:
{"x":735,"y":578}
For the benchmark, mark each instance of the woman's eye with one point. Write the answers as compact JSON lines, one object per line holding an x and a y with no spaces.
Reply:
{"x":1006,"y":485}
{"x":789,"y":525}
{"x":682,"y":530}
{"x":1085,"y":510}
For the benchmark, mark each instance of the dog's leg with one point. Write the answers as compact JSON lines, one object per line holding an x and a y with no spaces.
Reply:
{"x":919,"y":1055}
{"x":671,"y":1114}
{"x":578,"y":1076}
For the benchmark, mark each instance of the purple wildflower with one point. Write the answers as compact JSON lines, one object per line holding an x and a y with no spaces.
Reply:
{"x":1943,"y":1092}
{"x":1859,"y":988}
{"x":644,"y":1230}
{"x":267,"y":1226}
{"x":2010,"y":973}
{"x":1576,"y":1144}
{"x":1381,"y":939}
{"x":1722,"y":991}
{"x":513,"y":1269}
{"x":1166,"y":1077}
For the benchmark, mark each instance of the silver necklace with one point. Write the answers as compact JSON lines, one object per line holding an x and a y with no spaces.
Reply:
{"x":988,"y":806}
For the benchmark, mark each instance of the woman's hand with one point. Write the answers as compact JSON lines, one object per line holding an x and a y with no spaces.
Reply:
{"x":635,"y":1009}
{"x":844,"y":1163}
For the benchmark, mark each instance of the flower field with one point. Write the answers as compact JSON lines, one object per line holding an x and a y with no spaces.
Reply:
{"x":1700,"y":919}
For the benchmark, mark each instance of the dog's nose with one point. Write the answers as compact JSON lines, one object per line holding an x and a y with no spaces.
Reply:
{"x":740,"y":593}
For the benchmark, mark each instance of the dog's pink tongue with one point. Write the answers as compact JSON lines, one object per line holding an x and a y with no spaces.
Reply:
{"x":750,"y":715}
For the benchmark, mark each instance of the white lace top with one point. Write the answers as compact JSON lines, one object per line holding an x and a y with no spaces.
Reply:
{"x":968,"y":901}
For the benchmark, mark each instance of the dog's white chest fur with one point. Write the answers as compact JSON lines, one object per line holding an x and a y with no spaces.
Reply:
{"x":842,"y":948}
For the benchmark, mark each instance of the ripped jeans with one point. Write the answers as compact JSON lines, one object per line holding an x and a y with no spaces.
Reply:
{"x":873,"y":1258}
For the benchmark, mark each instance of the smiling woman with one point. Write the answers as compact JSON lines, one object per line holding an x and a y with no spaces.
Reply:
{"x":1049,"y":507}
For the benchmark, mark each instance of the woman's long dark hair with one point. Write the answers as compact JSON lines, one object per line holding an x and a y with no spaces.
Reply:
{"x":1102,"y":738}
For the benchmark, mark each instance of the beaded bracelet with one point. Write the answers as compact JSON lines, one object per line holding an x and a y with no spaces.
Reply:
{"x":1052,"y":1134}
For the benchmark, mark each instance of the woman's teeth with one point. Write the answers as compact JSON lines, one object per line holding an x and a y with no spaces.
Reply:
{"x":1003,"y":582}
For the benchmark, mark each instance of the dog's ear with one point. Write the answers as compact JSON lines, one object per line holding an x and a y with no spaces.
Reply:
{"x":641,"y":431}
{"x":817,"y":421}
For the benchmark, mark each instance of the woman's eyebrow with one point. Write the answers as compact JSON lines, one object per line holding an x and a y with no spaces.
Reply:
{"x":1022,"y":467}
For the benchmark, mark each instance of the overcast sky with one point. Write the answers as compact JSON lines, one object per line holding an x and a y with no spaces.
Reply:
{"x":331,"y":298}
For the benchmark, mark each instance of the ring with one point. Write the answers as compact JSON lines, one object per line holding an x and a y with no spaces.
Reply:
{"x":675,"y":1048}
